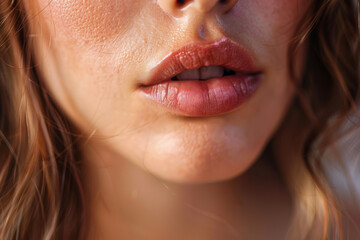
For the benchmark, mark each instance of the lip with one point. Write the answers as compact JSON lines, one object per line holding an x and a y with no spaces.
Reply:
{"x":203,"y":98}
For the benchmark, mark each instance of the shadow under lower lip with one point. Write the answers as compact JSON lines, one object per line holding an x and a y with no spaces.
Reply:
{"x":203,"y":98}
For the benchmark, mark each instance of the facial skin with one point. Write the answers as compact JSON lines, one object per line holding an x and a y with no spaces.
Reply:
{"x":93,"y":55}
{"x":98,"y":52}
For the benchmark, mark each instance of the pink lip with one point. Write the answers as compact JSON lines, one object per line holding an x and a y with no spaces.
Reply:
{"x":203,"y":98}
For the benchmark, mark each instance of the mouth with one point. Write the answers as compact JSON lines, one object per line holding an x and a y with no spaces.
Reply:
{"x":204,"y":73}
{"x":203,"y":79}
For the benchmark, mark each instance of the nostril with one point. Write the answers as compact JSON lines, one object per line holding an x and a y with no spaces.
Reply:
{"x":180,"y":2}
{"x":177,"y":7}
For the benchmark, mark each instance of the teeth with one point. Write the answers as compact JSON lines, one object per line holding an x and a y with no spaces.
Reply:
{"x":211,"y":72}
{"x":202,"y":73}
{"x":193,"y":74}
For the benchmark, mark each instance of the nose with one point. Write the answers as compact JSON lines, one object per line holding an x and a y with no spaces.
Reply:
{"x":174,"y":7}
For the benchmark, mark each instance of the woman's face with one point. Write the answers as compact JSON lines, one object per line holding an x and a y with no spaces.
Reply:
{"x":100,"y":58}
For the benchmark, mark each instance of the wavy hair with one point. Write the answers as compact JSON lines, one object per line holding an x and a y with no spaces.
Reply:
{"x":41,"y":195}
{"x":327,"y":95}
{"x":41,"y":191}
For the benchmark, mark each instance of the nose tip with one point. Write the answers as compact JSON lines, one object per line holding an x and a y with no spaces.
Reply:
{"x":173,"y":7}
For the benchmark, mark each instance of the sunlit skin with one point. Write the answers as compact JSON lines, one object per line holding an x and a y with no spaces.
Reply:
{"x":95,"y":54}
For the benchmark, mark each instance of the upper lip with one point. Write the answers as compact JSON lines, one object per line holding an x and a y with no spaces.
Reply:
{"x":225,"y":52}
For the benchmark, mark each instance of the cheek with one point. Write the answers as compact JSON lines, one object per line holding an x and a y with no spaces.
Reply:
{"x":270,"y":18}
{"x":88,"y":21}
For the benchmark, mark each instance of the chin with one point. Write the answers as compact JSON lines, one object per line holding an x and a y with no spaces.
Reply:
{"x":198,"y":171}
{"x":201,"y":160}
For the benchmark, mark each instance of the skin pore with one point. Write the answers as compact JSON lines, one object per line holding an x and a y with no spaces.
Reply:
{"x":149,"y":172}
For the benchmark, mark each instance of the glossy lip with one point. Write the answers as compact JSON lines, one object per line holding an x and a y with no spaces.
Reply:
{"x":203,"y":98}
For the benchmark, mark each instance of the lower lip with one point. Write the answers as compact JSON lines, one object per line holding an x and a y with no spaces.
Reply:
{"x":203,"y":98}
